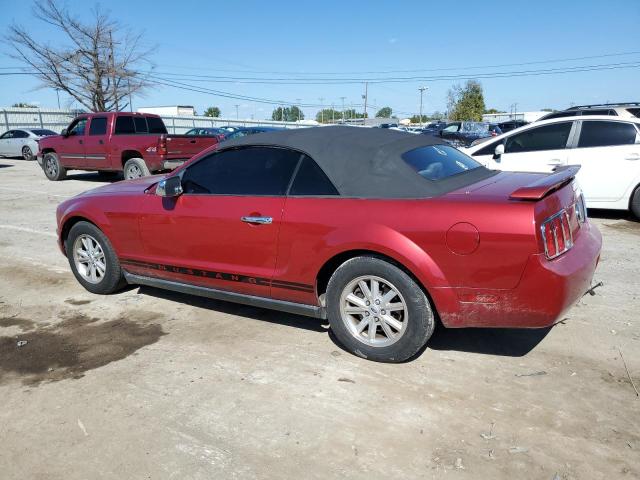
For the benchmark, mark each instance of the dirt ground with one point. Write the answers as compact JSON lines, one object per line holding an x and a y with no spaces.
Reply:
{"x":148,"y":384}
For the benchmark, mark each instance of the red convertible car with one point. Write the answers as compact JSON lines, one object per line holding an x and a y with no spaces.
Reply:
{"x":381,"y":232}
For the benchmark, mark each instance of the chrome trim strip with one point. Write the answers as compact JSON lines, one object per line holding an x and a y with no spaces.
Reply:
{"x":260,"y":220}
{"x":74,"y":156}
{"x":255,"y":301}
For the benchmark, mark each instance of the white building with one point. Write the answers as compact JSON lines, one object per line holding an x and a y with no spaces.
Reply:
{"x":170,"y":111}
{"x":503,"y":117}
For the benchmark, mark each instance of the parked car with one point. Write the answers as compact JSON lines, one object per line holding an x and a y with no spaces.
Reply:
{"x":22,"y":142}
{"x":462,"y":134}
{"x":136,"y":144}
{"x":219,"y":133}
{"x":434,"y":128}
{"x":243,"y":132}
{"x":379,"y":231}
{"x":626,"y":110}
{"x":509,"y":125}
{"x":607,"y":149}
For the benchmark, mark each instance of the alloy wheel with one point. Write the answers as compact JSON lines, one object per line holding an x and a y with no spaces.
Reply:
{"x":26,"y":153}
{"x":89,"y":258}
{"x":51,"y":166}
{"x":374,"y":311}
{"x":133,"y":172}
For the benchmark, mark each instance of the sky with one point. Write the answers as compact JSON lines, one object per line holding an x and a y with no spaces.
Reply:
{"x":355,"y":41}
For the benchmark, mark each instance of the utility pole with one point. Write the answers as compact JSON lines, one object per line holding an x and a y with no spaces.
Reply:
{"x":343,"y":108}
{"x":422,"y":89}
{"x":333,"y":113}
{"x":113,"y":72}
{"x":321,"y":110}
{"x":298,"y":100}
{"x":366,"y":93}
{"x":58,"y":96}
{"x":237,"y":114}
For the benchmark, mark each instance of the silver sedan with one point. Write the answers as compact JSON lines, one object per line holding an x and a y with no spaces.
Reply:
{"x":22,"y":142}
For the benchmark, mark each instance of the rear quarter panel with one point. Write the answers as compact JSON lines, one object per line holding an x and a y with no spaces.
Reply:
{"x":412,"y":232}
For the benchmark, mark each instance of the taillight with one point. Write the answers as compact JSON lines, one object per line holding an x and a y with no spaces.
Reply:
{"x":162,"y":145}
{"x":556,"y":234}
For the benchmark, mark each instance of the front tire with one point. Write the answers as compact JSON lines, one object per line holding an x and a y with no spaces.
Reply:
{"x":27,"y":154}
{"x":135,"y":168}
{"x":635,"y":203}
{"x":377,"y":311}
{"x":93,"y":260}
{"x":52,"y":167}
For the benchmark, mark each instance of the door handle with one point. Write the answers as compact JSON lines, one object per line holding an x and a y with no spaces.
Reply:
{"x":633,"y":156}
{"x":192,"y":141}
{"x":258,"y":220}
{"x":101,"y":142}
{"x":80,"y":142}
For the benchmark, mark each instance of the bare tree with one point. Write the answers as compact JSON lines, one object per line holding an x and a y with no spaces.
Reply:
{"x":101,"y":65}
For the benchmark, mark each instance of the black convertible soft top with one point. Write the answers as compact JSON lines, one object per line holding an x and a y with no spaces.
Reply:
{"x":365,"y":162}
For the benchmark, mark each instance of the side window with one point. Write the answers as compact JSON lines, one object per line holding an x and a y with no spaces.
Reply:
{"x":311,"y":180}
{"x":548,"y":137}
{"x":156,"y":125}
{"x":140,"y":124}
{"x":451,"y":128}
{"x":603,"y":134}
{"x":488,"y":150}
{"x":634,"y":111}
{"x":20,"y":134}
{"x":98,"y":126}
{"x":7,"y":135}
{"x":599,"y":112}
{"x":77,"y":127}
{"x":243,"y":171}
{"x":124,"y":125}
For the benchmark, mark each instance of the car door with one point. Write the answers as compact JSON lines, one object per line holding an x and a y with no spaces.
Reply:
{"x":5,"y":142}
{"x":72,"y":150}
{"x":95,"y":144}
{"x":609,"y":155}
{"x":537,"y":149}
{"x":222,"y":232}
{"x":19,"y":140}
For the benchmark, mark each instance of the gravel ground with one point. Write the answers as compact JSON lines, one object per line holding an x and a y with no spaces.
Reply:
{"x":152,"y":384}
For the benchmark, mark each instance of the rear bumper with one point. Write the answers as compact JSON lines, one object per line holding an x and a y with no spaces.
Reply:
{"x":547,"y":289}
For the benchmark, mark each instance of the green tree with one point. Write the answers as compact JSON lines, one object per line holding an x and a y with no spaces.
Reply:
{"x":416,"y":119}
{"x":466,"y":103}
{"x":547,"y":110}
{"x":24,"y":105}
{"x":493,"y":110}
{"x":212,"y":112}
{"x":384,"y":112}
{"x":328,"y":115}
{"x":287,"y":114}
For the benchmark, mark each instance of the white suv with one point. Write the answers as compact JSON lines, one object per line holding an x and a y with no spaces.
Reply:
{"x":607,"y":149}
{"x":627,"y":110}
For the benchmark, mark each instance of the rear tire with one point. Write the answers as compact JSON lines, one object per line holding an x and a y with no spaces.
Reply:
{"x":93,"y":260}
{"x":377,"y":311}
{"x":27,"y":154}
{"x":52,"y":167}
{"x":135,"y":168}
{"x":635,"y":203}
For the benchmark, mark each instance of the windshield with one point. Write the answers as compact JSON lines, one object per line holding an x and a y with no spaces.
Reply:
{"x":436,"y":162}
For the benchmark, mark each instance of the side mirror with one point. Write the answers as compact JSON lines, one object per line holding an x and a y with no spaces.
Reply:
{"x":64,"y":132}
{"x":170,"y":187}
{"x":498,"y":151}
{"x":440,"y":132}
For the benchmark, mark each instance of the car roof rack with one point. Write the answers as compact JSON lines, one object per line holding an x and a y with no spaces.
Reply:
{"x":600,"y":105}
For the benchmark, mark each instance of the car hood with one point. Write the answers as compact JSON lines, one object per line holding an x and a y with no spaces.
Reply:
{"x":139,"y":185}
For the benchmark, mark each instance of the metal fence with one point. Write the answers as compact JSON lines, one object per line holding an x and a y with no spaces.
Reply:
{"x":57,"y":119}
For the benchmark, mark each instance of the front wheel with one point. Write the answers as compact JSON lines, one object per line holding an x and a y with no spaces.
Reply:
{"x":135,"y":168}
{"x":93,"y":260}
{"x":53,"y":170}
{"x":635,"y":203}
{"x":377,"y":311}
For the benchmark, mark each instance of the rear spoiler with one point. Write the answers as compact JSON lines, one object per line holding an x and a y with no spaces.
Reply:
{"x":546,"y":185}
